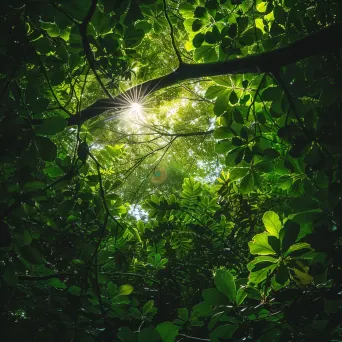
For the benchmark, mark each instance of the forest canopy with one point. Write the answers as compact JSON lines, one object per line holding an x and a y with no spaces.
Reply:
{"x":171,"y":170}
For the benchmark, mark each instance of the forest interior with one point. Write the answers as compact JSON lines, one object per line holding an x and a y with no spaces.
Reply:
{"x":171,"y":170}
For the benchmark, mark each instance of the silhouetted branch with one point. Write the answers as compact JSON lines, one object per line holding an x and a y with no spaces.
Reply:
{"x":266,"y":62}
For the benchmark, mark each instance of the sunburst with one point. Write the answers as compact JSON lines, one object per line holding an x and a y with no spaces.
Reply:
{"x":133,"y":108}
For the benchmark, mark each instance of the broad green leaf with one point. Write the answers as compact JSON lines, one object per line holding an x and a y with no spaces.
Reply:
{"x":238,"y":172}
{"x":213,"y":297}
{"x":272,"y":94}
{"x":303,"y":277}
{"x":33,"y":186}
{"x":168,"y":331}
{"x":272,"y":223}
{"x":289,"y":234}
{"x":75,"y":290}
{"x":197,"y":25}
{"x":198,"y":40}
{"x":207,"y":53}
{"x":183,"y":314}
{"x":186,"y":10}
{"x":263,"y":260}
{"x":300,"y":250}
{"x":53,"y":171}
{"x":148,"y":306}
{"x":260,"y":245}
{"x":56,"y":283}
{"x":225,"y":283}
{"x":214,"y":91}
{"x":46,"y":148}
{"x":247,"y":183}
{"x":202,"y":309}
{"x":133,"y":37}
{"x":148,"y":335}
{"x":240,"y":296}
{"x":221,"y":104}
{"x":257,"y":277}
{"x":233,"y":98}
{"x":281,"y":277}
{"x":261,"y":6}
{"x":304,"y":203}
{"x":223,"y":132}
{"x":125,"y":290}
{"x":125,"y":334}
{"x":223,"y":332}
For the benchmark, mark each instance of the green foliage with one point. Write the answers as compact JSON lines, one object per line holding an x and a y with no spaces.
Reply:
{"x":240,"y":241}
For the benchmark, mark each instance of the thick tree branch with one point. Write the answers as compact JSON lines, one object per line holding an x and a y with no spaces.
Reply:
{"x":321,"y":41}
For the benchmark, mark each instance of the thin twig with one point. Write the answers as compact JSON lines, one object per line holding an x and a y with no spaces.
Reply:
{"x":172,"y":35}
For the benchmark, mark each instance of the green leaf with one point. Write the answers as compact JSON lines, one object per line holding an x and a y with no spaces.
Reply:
{"x":304,"y":203}
{"x":148,"y":306}
{"x":197,"y":25}
{"x":202,"y":310}
{"x":236,"y":141}
{"x":272,"y":223}
{"x":247,"y":183}
{"x":261,"y":7}
{"x":33,"y":186}
{"x":223,"y":132}
{"x":186,"y":10}
{"x":223,"y":332}
{"x":39,"y":105}
{"x":112,"y":288}
{"x":234,"y":156}
{"x":75,"y":290}
{"x":261,"y":262}
{"x":289,"y":234}
{"x":213,"y":297}
{"x":183,"y":314}
{"x":233,"y":98}
{"x":53,"y":171}
{"x":56,"y":283}
{"x":238,"y":116}
{"x":221,"y":104}
{"x":198,"y":40}
{"x":299,"y":250}
{"x":125,"y":290}
{"x":214,"y":91}
{"x":223,"y":146}
{"x":24,"y":238}
{"x":207,"y":53}
{"x":144,"y":26}
{"x":281,"y":277}
{"x":133,"y":37}
{"x":53,"y":31}
{"x":272,"y":94}
{"x":240,"y":296}
{"x":148,"y":335}
{"x":260,"y":245}
{"x":225,"y":283}
{"x":257,"y":277}
{"x":200,"y":12}
{"x":232,"y":31}
{"x":279,"y":15}
{"x":251,"y":36}
{"x":238,"y":172}
{"x":46,"y":148}
{"x":168,"y":331}
{"x":125,"y":334}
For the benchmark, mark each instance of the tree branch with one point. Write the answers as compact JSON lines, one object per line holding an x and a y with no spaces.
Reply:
{"x":270,"y":61}
{"x":172,"y":35}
